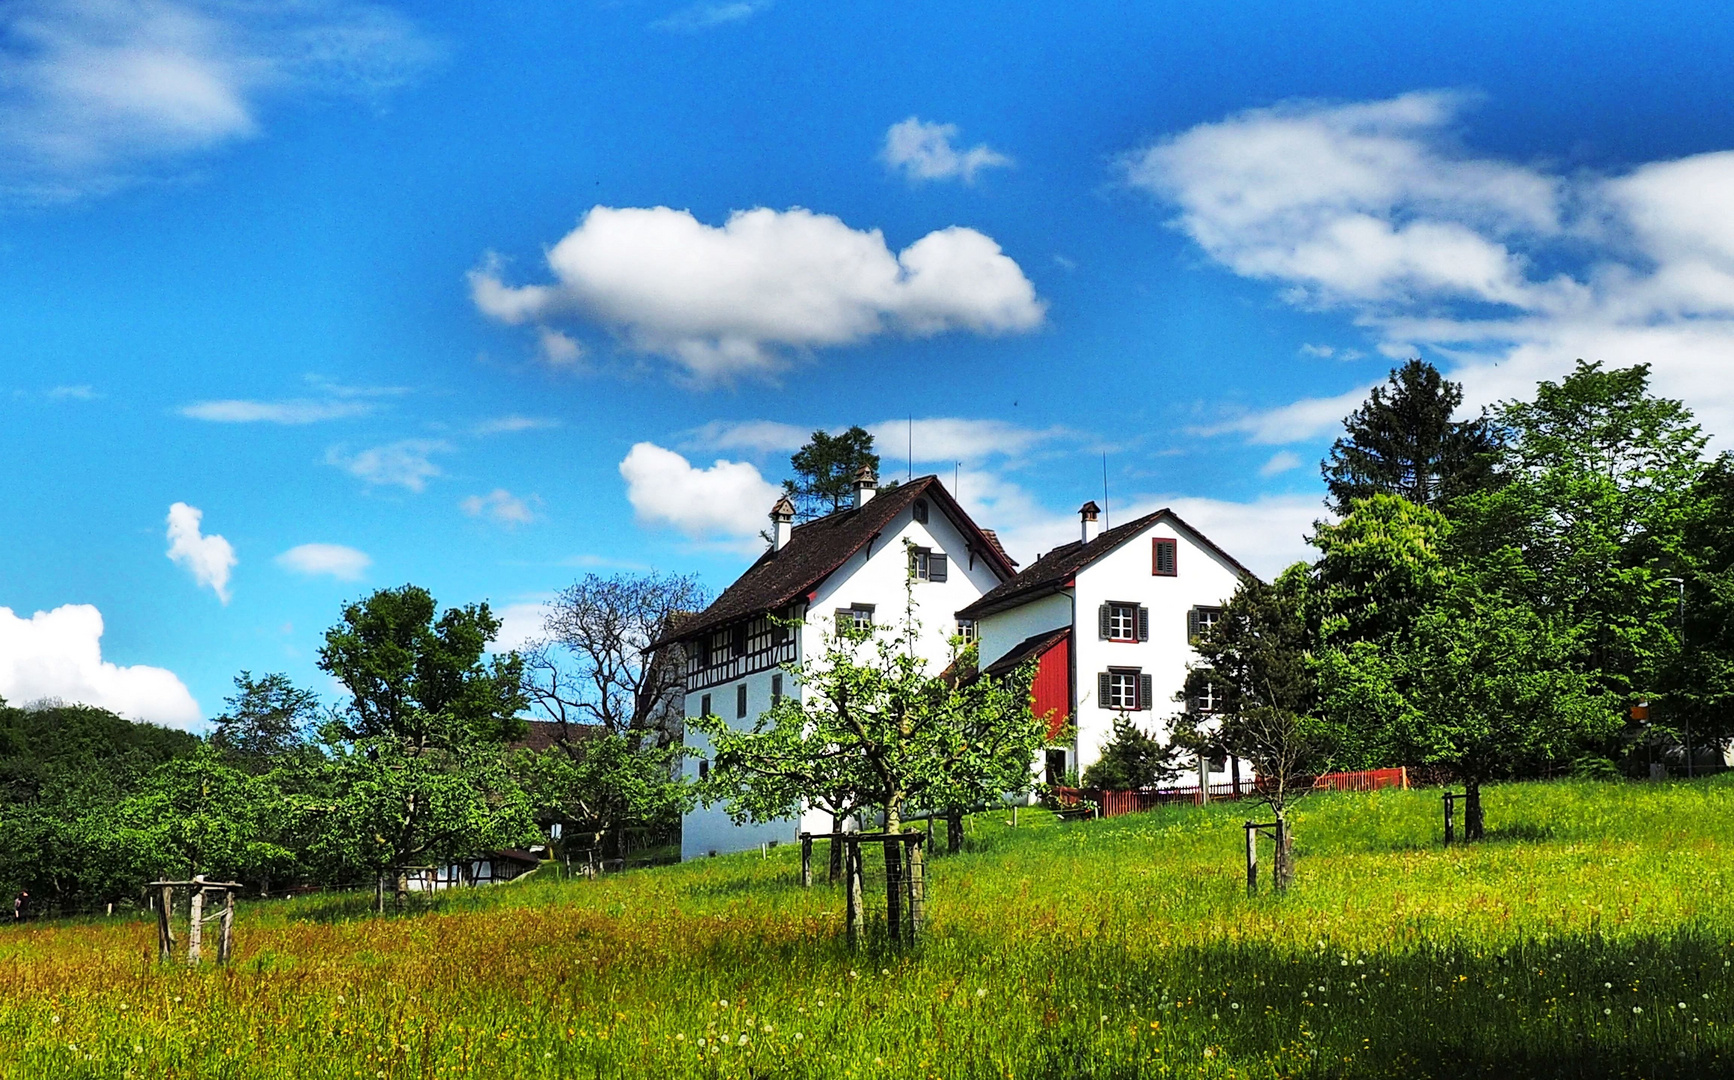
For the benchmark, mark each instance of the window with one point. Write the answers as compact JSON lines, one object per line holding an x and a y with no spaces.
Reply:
{"x":1164,"y":555}
{"x":704,"y":768}
{"x":1123,"y":622}
{"x":776,"y":690}
{"x":738,"y":639}
{"x":1199,"y":620}
{"x":1123,"y":690}
{"x":920,"y":510}
{"x":967,"y":631}
{"x":1208,"y":699}
{"x":860,"y":616}
{"x":704,"y":705}
{"x":927,"y":565}
{"x":741,"y":701}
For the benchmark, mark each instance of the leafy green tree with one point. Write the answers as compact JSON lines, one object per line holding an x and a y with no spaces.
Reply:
{"x":1404,"y":442}
{"x":873,"y":728}
{"x":601,"y":785}
{"x":1378,"y":569}
{"x":1131,"y":761}
{"x":825,"y":471}
{"x":1256,"y":665}
{"x":268,"y":720}
{"x":1699,"y":682}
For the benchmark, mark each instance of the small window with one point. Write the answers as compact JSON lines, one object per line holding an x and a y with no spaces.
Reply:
{"x":859,"y":616}
{"x":704,"y":768}
{"x":741,"y":701}
{"x":776,"y":690}
{"x":927,"y":565}
{"x":1208,"y":699}
{"x":704,"y":705}
{"x":1124,"y":622}
{"x":1119,"y":690}
{"x":1164,"y":556}
{"x":920,"y":510}
{"x":1199,"y":620}
{"x":967,"y":631}
{"x":738,"y":639}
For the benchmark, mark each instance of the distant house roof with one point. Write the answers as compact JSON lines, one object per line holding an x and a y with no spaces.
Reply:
{"x":819,"y":547}
{"x":546,"y":734}
{"x":1030,"y":648}
{"x":1051,"y":573}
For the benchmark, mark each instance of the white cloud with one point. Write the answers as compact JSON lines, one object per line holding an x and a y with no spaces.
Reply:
{"x":75,"y":393}
{"x":761,"y":436}
{"x":295,"y":411}
{"x":1280,"y":462}
{"x":405,"y":464}
{"x":58,"y":654}
{"x":1373,"y":208}
{"x":502,"y":506}
{"x":727,"y":501}
{"x":936,"y":439}
{"x":208,"y":558}
{"x":703,"y":16}
{"x":923,"y":151}
{"x":333,"y":560}
{"x":1298,"y":421}
{"x":520,"y":625}
{"x":508,"y":425}
{"x":732,"y":300}
{"x":558,"y":348}
{"x":97,"y":93}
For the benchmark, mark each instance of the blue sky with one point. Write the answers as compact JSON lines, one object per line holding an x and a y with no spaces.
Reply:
{"x":305,"y":301}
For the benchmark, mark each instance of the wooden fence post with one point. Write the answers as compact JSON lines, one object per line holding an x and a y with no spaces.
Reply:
{"x":1449,"y":825}
{"x":165,"y":935}
{"x":917,"y":889}
{"x":806,"y":860}
{"x":852,"y":874}
{"x":1251,"y":858}
{"x":226,"y":943}
{"x":954,"y":831}
{"x":196,"y":924}
{"x":894,"y":887}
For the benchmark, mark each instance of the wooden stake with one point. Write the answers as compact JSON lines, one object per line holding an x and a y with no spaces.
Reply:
{"x":917,"y":890}
{"x":196,"y":924}
{"x":806,"y":860}
{"x":1251,"y":858}
{"x":953,"y":831}
{"x":165,"y":935}
{"x":1449,"y":824}
{"x":226,"y":943}
{"x":852,"y":872}
{"x":894,"y":889}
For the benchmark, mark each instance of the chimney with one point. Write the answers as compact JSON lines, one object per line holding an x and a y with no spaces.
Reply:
{"x":1090,"y":527}
{"x":782,"y":523}
{"x":866,"y":485}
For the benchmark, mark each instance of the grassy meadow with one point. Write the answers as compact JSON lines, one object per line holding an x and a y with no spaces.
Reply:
{"x":1592,"y":934}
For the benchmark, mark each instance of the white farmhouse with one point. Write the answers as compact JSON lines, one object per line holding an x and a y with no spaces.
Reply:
{"x":1109,"y":619}
{"x":854,"y":564}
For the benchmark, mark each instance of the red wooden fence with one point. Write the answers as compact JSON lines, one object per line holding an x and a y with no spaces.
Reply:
{"x":1115,"y":803}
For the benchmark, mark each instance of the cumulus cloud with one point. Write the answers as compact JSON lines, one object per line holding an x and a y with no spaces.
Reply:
{"x":521,"y":625}
{"x":1375,"y":209}
{"x":294,"y":411}
{"x":732,"y":300}
{"x":329,"y":560}
{"x":58,"y":654}
{"x":94,"y":95}
{"x":406,"y":463}
{"x":705,"y":15}
{"x":208,"y":558}
{"x":501,"y":506}
{"x":727,"y":501}
{"x":923,"y":151}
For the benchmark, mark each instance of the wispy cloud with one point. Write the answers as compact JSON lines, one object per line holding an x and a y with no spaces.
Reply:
{"x":407,"y":463}
{"x":923,"y":151}
{"x":500,"y":505}
{"x":328,"y":560}
{"x":82,"y":392}
{"x":509,"y":425}
{"x":705,"y":15}
{"x":293,"y":411}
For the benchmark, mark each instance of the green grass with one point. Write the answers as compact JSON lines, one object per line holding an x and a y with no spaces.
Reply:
{"x":1591,"y":935}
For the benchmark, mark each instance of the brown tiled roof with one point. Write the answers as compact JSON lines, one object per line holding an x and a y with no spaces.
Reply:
{"x":993,"y":538}
{"x":545,"y":735}
{"x":1029,"y":648}
{"x":1051,"y":572}
{"x":816,"y":549}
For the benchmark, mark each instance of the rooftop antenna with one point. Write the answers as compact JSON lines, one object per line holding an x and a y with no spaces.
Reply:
{"x":910,"y":473}
{"x":1104,"y":489}
{"x":956,"y":467}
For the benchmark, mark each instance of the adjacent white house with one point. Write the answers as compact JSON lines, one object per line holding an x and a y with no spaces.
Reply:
{"x":1108,"y":619}
{"x":855,"y":564}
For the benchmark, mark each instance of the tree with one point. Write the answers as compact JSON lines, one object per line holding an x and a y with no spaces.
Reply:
{"x":1700,"y":681}
{"x":601,"y":663}
{"x":267,"y":720}
{"x":872,"y":728}
{"x":1402,"y":441}
{"x":600,"y":786}
{"x":1131,"y":761}
{"x":1378,"y":569}
{"x":825,"y":471}
{"x":1257,"y":666}
{"x":420,"y":681}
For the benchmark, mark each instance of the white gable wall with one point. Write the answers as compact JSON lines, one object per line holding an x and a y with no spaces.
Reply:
{"x":1005,"y":630}
{"x":1202,"y":578}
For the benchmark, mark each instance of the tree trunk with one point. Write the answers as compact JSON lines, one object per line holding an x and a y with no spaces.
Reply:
{"x":1282,"y":865}
{"x":1472,"y":821}
{"x":894,"y":815}
{"x":953,"y":831}
{"x":836,"y":859}
{"x":400,"y":892}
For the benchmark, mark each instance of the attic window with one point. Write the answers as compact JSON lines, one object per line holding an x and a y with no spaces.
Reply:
{"x":1164,"y":557}
{"x":920,"y":510}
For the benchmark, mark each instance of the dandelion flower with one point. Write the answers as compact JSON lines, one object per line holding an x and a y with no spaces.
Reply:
{"x":1609,"y":985}
{"x":1607,"y":1012}
{"x":1682,"y":1005}
{"x":1637,"y":1009}
{"x":981,"y":993}
{"x":1234,"y":1004}
{"x":743,"y":1041}
{"x":799,"y":1036}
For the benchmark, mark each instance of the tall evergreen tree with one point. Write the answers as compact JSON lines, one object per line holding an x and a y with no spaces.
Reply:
{"x":1402,"y":441}
{"x":825,"y":471}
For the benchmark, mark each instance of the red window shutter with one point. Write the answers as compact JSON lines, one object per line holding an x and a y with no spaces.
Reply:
{"x":1146,"y":692}
{"x":1163,"y":557}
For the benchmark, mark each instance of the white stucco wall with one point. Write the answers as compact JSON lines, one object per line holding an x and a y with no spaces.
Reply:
{"x":1004,"y":630}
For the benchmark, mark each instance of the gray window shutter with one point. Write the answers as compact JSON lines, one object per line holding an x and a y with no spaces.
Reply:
{"x":1143,"y":624}
{"x":1102,"y":621}
{"x":704,"y":705}
{"x":1191,"y":623}
{"x":936,"y":568}
{"x":741,"y":701}
{"x":1102,"y":690}
{"x":1146,"y":691}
